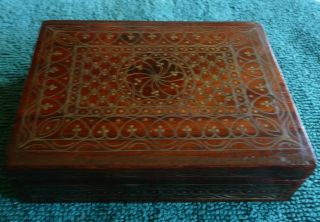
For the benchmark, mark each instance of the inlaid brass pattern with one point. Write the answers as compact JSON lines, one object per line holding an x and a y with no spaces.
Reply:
{"x":155,"y":83}
{"x":154,"y":88}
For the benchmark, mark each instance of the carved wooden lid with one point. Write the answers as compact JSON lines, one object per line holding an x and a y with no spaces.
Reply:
{"x":156,"y":95}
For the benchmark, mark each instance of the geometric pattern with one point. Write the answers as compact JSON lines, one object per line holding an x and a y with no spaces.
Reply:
{"x":150,"y":88}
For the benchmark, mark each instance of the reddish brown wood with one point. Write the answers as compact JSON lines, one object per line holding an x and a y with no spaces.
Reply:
{"x":156,"y":111}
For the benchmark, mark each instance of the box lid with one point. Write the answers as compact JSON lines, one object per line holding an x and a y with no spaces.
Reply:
{"x":156,"y":95}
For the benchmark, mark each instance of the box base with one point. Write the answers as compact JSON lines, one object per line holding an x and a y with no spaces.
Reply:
{"x":155,"y":193}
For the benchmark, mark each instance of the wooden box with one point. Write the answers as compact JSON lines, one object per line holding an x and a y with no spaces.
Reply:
{"x":156,"y":111}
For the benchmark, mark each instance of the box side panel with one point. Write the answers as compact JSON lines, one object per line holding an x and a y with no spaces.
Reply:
{"x":158,"y":192}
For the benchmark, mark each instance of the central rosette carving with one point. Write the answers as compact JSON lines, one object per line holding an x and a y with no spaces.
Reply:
{"x":157,"y":77}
